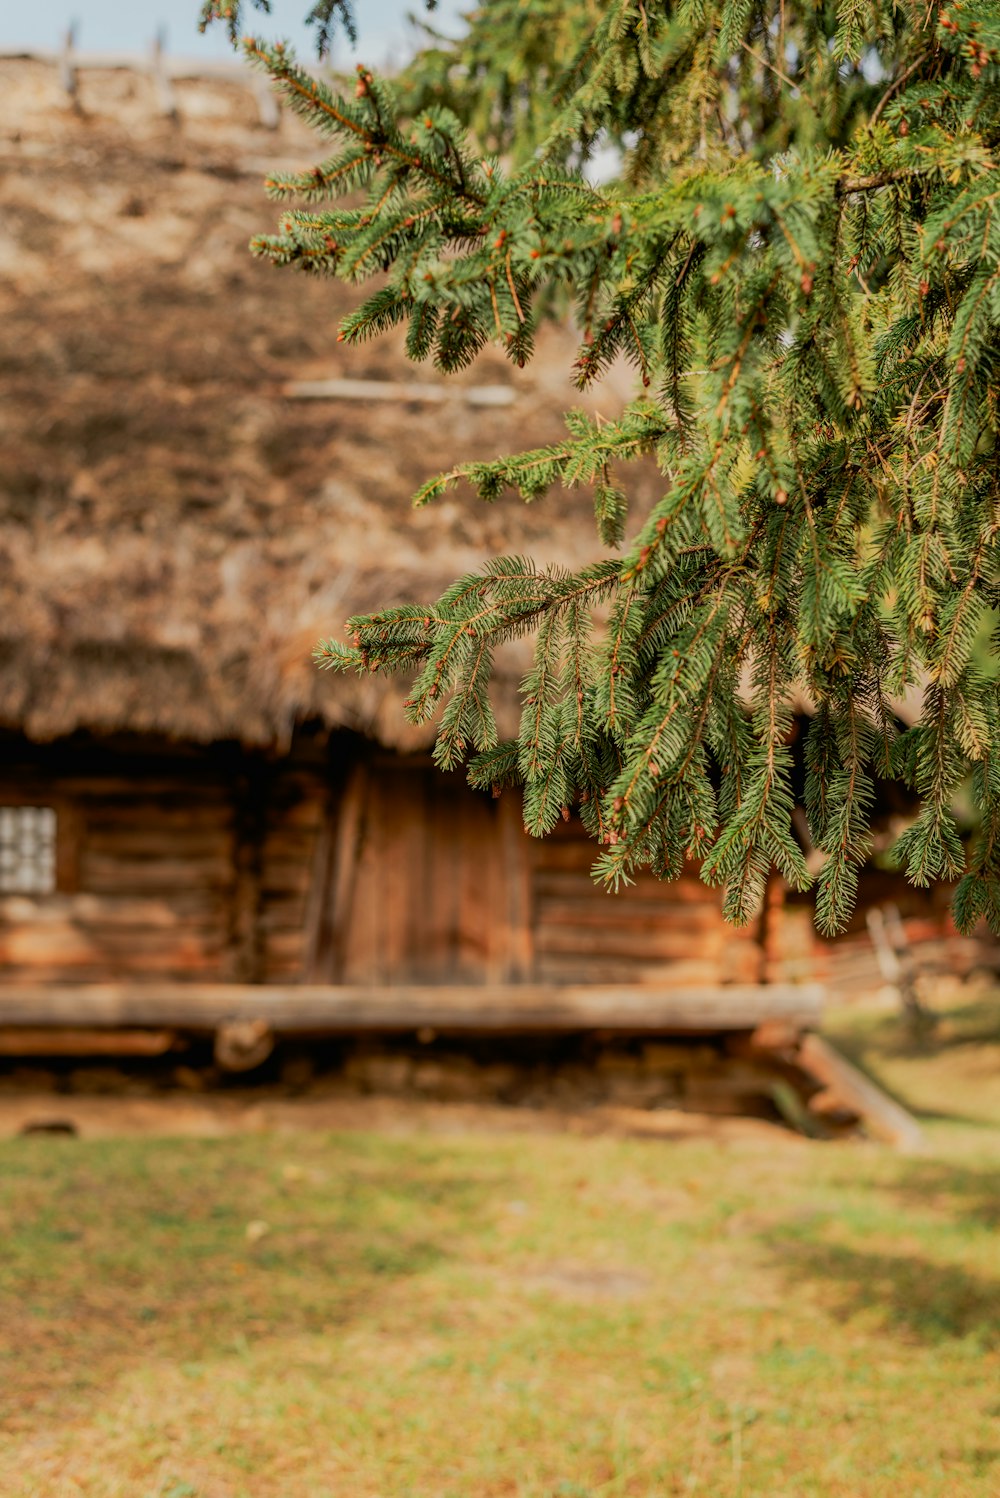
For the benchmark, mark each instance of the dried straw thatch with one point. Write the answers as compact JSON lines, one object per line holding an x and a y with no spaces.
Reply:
{"x":175,"y":533}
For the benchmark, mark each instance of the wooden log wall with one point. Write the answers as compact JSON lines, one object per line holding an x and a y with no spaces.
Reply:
{"x":295,"y":817}
{"x":448,"y":888}
{"x":191,"y":866}
{"x":363,"y":868}
{"x":671,"y":935}
{"x":145,"y":884}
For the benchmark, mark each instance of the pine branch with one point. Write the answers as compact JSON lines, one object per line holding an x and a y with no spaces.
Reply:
{"x":803,"y":268}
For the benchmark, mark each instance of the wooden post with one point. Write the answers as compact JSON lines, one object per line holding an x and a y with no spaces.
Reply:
{"x":67,"y":69}
{"x":166,"y":102}
{"x":317,"y":913}
{"x":250,"y":821}
{"x":896,"y":964}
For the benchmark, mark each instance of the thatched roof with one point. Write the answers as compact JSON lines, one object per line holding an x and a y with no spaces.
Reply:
{"x":175,"y":533}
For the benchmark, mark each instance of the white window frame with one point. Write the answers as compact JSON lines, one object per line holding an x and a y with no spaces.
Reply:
{"x":29,"y":862}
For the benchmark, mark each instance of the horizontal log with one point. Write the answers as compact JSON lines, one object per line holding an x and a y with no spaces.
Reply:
{"x":629,"y":915}
{"x":305,"y":817}
{"x":164,"y":795}
{"x":635,"y":943}
{"x":93,"y":911}
{"x":145,"y":843}
{"x":281,"y":855}
{"x":281,"y":971}
{"x":106,"y":875}
{"x":45,"y":1041}
{"x":114,"y":817}
{"x":284,"y":945}
{"x":741,"y":963}
{"x":574,"y":881}
{"x":670,"y":972}
{"x":331,"y":1008}
{"x":283,"y":916}
{"x":285,"y":878}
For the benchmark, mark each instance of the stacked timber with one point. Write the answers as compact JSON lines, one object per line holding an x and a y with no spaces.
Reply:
{"x":669,"y":935}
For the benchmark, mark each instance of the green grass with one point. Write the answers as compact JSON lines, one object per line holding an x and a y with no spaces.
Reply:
{"x":540,"y":1316}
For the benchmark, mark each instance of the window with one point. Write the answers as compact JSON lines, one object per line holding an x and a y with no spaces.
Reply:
{"x":27,"y":850}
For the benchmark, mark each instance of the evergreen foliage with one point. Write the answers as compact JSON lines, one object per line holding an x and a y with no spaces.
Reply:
{"x":800,"y":255}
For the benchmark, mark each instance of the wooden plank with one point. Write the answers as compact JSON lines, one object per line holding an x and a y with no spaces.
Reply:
{"x":46,"y":1041}
{"x":439,"y":947}
{"x":349,"y":847}
{"x":148,"y":842}
{"x":739,"y":962}
{"x":331,"y":1008}
{"x":97,"y":910}
{"x":308,"y":914}
{"x":245,"y":945}
{"x":105,"y":875}
{"x":480,"y":947}
{"x":285,"y":947}
{"x":288,"y":846}
{"x":884,"y":1117}
{"x":166,"y":795}
{"x":687,"y":972}
{"x":626,"y":915}
{"x":126,"y":942}
{"x":287,"y":878}
{"x":573,"y":880}
{"x":286,"y":907}
{"x":111,"y":818}
{"x":635,"y":944}
{"x":398,"y":837}
{"x":518,"y":910}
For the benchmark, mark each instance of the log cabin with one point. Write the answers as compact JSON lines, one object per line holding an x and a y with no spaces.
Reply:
{"x":194,"y":489}
{"x":199,"y":833}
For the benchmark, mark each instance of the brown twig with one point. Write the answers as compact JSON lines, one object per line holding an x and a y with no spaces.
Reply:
{"x":895,"y":87}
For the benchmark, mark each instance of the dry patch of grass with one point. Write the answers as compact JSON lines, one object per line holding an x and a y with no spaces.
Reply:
{"x":364,"y":1316}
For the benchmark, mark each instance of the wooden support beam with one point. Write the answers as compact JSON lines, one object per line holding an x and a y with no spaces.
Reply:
{"x":327,"y":1008}
{"x":45,"y":1041}
{"x":883,"y":1117}
{"x":250,"y":819}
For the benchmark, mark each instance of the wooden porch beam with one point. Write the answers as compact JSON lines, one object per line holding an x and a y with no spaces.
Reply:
{"x":329,"y":1009}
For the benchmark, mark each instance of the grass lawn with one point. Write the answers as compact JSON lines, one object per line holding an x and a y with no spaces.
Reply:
{"x":369,"y":1315}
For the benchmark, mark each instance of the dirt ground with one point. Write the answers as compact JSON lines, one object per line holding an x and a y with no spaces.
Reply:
{"x":220,"y":1115}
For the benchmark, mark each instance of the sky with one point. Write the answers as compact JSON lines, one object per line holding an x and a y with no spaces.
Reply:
{"x":112,"y":25}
